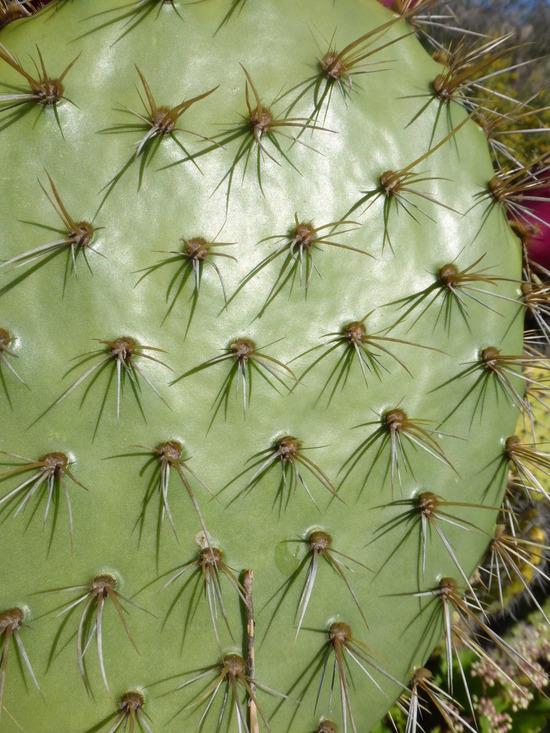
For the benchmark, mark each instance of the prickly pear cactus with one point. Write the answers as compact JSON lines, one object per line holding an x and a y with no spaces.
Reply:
{"x":261,"y":336}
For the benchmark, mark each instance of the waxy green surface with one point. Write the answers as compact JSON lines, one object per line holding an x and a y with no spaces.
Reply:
{"x":56,"y":317}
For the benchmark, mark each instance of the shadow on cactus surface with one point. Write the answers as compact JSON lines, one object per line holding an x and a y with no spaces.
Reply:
{"x":252,"y":546}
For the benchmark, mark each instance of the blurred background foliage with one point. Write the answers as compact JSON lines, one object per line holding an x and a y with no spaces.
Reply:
{"x":525,"y":70}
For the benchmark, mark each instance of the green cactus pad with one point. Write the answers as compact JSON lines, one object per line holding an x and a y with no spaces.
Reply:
{"x":245,"y":336}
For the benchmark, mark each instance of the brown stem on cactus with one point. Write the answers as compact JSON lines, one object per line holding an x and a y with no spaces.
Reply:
{"x":251,"y":648}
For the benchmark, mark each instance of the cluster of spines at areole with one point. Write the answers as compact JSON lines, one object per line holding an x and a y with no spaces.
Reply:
{"x":462,"y":603}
